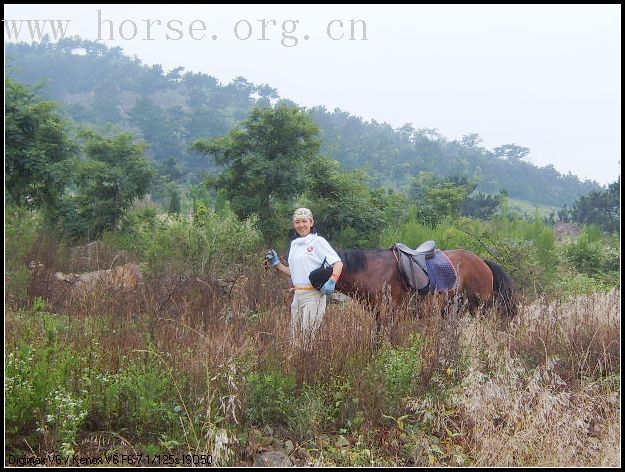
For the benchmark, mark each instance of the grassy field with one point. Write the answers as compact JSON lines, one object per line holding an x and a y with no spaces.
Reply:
{"x":528,"y":208}
{"x":185,"y":366}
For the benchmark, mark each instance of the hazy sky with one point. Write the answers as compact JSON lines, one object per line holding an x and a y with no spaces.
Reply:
{"x":544,"y":77}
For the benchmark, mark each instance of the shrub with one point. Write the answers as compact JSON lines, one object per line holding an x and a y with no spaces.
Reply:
{"x":310,"y":412}
{"x":40,"y":375}
{"x":21,"y":230}
{"x":593,"y":253}
{"x":396,"y":369}
{"x":66,"y":413}
{"x":210,"y":244}
{"x":269,"y":398}
{"x":147,"y":397}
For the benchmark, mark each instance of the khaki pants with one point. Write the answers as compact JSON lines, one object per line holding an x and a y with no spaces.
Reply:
{"x":307,"y":311}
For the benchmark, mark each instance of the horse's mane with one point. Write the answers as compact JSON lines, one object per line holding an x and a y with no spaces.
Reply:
{"x":355,"y":260}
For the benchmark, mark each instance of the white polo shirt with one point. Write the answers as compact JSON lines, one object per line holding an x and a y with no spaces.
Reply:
{"x":307,"y":254}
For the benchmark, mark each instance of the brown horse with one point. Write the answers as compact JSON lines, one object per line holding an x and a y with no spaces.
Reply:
{"x":372,"y":275}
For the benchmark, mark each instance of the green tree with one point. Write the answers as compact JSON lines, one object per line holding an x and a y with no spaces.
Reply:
{"x":157,"y":129}
{"x":442,"y":201}
{"x":173,"y":110}
{"x":481,"y":205}
{"x":511,"y":152}
{"x":264,"y":162}
{"x":600,"y":208}
{"x":114,"y":172}
{"x":170,"y":169}
{"x":420,"y":185}
{"x":347,"y":210}
{"x":174,"y":201}
{"x":439,"y":198}
{"x":36,"y":148}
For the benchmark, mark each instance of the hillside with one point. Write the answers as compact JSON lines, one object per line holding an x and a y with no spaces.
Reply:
{"x":102,"y":86}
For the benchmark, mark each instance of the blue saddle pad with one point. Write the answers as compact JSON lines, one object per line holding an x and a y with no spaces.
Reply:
{"x":440,"y":271}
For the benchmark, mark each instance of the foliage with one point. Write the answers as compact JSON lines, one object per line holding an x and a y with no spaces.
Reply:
{"x":321,"y":406}
{"x":22,"y":228}
{"x":173,"y":109}
{"x":53,"y":391}
{"x":270,"y":397}
{"x":594,"y":253}
{"x":600,"y":208}
{"x":66,"y":414}
{"x":481,"y":205}
{"x":89,"y":382}
{"x":526,"y":248}
{"x":37,"y":147}
{"x":39,"y":376}
{"x":158,"y":129}
{"x":511,"y":152}
{"x":448,"y":234}
{"x":113,"y":174}
{"x":210,"y":244}
{"x":174,"y":201}
{"x":396,"y":369}
{"x":347,"y":211}
{"x":438,"y":198}
{"x":264,"y":159}
{"x":146,"y":398}
{"x":574,"y":283}
{"x":310,"y":413}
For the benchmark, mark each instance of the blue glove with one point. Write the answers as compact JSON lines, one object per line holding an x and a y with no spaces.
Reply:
{"x":329,"y":287}
{"x":272,"y":256}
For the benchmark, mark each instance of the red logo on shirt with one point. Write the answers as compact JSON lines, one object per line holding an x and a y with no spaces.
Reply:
{"x":309,"y":249}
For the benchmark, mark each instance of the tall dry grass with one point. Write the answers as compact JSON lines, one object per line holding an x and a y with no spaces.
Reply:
{"x":545,"y":391}
{"x":541,"y":391}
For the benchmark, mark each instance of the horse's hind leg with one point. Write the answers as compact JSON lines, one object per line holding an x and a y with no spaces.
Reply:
{"x":474,"y":304}
{"x":377,"y":335}
{"x":451,"y":303}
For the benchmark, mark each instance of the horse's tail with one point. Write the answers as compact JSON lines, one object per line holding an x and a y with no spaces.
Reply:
{"x":505,"y":290}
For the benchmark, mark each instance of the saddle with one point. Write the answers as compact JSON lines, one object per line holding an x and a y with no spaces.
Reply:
{"x":412,"y":265}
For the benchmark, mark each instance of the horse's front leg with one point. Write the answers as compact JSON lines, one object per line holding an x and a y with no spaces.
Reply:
{"x":384,"y":305}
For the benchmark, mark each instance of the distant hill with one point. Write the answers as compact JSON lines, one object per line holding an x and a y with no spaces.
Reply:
{"x":103,"y":87}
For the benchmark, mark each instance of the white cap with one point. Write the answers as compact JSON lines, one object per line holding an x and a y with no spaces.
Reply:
{"x":302,"y":213}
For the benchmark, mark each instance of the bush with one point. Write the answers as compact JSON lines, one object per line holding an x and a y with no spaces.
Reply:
{"x":210,"y":244}
{"x":66,"y":413}
{"x":270,"y":397}
{"x":147,"y":397}
{"x":40,"y":374}
{"x":592,"y":253}
{"x":310,"y":412}
{"x":450,"y":233}
{"x":396,"y":369}
{"x":21,"y":231}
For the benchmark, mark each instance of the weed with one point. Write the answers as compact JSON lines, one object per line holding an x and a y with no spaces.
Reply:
{"x":270,"y":397}
{"x":396,"y":369}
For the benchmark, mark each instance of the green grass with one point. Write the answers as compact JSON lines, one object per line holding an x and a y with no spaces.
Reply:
{"x":530,"y":208}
